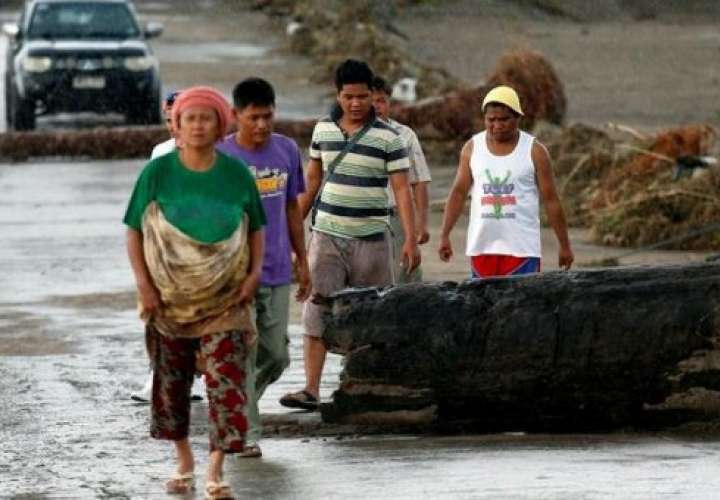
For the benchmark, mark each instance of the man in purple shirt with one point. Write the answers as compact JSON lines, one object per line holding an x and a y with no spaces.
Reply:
{"x":276,"y":163}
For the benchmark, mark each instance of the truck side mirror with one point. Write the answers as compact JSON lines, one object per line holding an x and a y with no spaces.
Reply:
{"x":11,"y":30}
{"x":153,"y":29}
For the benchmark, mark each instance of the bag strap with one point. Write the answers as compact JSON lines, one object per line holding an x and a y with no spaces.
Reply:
{"x":334,"y":163}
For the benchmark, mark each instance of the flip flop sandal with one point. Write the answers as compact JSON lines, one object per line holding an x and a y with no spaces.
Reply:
{"x":179,"y":484}
{"x":218,"y":491}
{"x":250,"y":450}
{"x":300,"y":399}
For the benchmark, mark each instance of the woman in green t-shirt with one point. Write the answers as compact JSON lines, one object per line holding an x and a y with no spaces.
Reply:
{"x":195,"y":244}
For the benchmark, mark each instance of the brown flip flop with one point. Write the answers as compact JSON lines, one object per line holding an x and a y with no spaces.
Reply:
{"x":301,"y":399}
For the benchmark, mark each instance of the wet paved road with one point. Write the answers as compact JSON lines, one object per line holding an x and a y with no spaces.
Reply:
{"x":70,"y":347}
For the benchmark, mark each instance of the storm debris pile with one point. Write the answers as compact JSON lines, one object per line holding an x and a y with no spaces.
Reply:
{"x":582,"y":156}
{"x":332,"y":31}
{"x":641,"y":202}
{"x":533,"y":77}
{"x":457,"y":115}
{"x":627,"y":189}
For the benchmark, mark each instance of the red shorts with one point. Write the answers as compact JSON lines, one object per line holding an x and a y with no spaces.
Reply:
{"x":487,"y":266}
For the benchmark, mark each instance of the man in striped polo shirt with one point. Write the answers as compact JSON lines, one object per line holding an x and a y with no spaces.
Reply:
{"x":350,"y":245}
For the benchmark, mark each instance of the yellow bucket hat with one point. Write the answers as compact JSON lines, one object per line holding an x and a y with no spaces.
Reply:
{"x":503,"y":95}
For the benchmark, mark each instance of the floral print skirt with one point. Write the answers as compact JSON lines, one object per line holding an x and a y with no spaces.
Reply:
{"x":175,"y":362}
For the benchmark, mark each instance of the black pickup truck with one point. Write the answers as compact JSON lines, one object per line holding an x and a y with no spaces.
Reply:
{"x":80,"y":55}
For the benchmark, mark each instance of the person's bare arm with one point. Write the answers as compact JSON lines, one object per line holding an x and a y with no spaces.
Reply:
{"x":421,"y":197}
{"x":313,"y":179}
{"x":149,"y":294}
{"x":256,"y":240}
{"x":553,"y":207}
{"x":297,"y":241}
{"x":456,"y":201}
{"x":419,"y":180}
{"x":401,"y":189}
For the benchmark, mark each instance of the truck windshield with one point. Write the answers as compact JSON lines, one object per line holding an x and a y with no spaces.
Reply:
{"x":82,"y":20}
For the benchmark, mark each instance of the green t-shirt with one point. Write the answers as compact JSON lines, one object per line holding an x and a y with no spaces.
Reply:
{"x":207,"y":206}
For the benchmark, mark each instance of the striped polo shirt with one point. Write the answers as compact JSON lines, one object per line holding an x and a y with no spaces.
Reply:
{"x":354,"y":201}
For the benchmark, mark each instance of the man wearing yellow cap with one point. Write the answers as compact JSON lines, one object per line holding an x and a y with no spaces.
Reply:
{"x":508,"y":171}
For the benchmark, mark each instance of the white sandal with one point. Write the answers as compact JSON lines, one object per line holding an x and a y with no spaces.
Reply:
{"x":180,"y":484}
{"x":250,"y":450}
{"x":218,"y":491}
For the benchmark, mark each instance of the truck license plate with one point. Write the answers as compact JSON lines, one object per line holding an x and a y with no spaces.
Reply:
{"x":89,"y":82}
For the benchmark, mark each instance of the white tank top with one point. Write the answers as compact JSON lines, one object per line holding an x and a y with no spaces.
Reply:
{"x":504,"y":210}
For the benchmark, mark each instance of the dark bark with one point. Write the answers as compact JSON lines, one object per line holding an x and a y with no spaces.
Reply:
{"x":561,"y":351}
{"x":109,"y":143}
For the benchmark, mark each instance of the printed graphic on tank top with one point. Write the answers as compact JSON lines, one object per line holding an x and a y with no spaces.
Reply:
{"x":497,"y":194}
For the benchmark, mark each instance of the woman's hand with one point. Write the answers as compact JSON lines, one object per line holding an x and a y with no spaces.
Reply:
{"x":149,"y":297}
{"x":248,"y":288}
{"x":148,"y":292}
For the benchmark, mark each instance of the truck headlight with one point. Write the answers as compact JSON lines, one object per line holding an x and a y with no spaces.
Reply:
{"x":34,"y":64}
{"x":140,"y":63}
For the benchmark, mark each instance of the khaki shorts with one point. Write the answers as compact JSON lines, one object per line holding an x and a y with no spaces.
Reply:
{"x":337,"y":263}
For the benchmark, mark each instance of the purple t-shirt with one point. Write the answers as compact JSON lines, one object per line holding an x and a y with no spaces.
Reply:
{"x":277,"y":169}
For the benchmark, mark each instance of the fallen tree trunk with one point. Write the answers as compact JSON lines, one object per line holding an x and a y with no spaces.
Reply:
{"x":559,"y":351}
{"x":100,"y":143}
